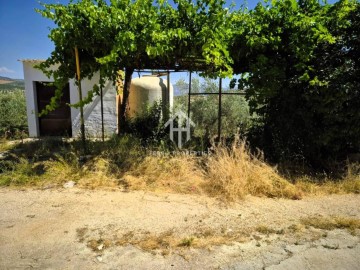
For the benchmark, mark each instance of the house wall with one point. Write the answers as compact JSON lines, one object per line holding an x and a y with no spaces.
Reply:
{"x":86,"y":86}
{"x":32,"y":75}
{"x":92,"y":111}
{"x":93,"y":115}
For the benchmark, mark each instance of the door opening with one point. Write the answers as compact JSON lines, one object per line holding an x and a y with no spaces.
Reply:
{"x":58,"y":121}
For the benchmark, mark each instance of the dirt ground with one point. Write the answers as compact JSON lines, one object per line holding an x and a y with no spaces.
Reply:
{"x":82,"y":229}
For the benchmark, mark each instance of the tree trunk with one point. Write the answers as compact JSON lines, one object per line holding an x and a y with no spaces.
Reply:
{"x":125,"y":101}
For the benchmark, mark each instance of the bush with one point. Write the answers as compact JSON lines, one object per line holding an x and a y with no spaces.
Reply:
{"x":148,"y":126}
{"x":303,"y":84}
{"x":13,"y":119}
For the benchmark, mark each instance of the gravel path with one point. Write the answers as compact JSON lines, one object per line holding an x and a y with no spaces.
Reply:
{"x":54,"y":229}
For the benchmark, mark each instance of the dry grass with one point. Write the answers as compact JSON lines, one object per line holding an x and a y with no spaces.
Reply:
{"x":99,"y":244}
{"x":61,"y":170}
{"x":265,"y":229}
{"x":5,"y":145}
{"x":171,"y":241}
{"x":81,"y":233}
{"x":350,"y":183}
{"x":234,"y":173}
{"x":331,"y":223}
{"x":164,"y":242}
{"x":180,"y":174}
{"x":97,"y":175}
{"x":204,"y":237}
{"x":229,"y":173}
{"x":20,"y":171}
{"x":296,"y":228}
{"x":309,"y":187}
{"x":147,"y":241}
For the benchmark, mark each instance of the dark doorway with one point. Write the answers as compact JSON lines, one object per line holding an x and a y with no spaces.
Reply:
{"x":58,"y":121}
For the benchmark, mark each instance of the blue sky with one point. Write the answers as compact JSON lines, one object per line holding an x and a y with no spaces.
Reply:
{"x":24,"y":34}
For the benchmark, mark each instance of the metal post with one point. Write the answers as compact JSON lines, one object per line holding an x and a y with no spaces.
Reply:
{"x":102,"y":112}
{"x":82,"y":124}
{"x":219,"y":109}
{"x":167,"y":95}
{"x":189,"y":95}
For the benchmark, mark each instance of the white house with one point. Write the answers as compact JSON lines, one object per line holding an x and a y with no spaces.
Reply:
{"x":64,"y":121}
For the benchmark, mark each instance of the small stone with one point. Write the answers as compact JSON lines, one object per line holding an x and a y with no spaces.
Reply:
{"x":69,"y":184}
{"x":99,"y":258}
{"x":48,"y":187}
{"x":100,"y":247}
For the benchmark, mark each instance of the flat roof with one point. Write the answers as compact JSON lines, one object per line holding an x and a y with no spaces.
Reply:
{"x":31,"y":60}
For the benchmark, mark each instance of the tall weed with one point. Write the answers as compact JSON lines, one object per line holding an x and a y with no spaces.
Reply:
{"x":233,"y":172}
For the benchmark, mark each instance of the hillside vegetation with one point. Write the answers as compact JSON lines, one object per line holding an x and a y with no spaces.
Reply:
{"x":13,"y":119}
{"x":11,"y":84}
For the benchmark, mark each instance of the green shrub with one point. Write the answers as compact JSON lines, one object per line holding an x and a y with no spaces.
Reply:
{"x":148,"y":126}
{"x":302,"y":81}
{"x":13,"y":119}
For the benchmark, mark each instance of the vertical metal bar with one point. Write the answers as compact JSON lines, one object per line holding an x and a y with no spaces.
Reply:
{"x":219,"y":109}
{"x":167,"y":95}
{"x":82,"y":124}
{"x":189,"y":95}
{"x":168,"y":89}
{"x":102,"y":111}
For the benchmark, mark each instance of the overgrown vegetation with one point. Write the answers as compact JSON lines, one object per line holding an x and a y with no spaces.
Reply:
{"x":128,"y":35}
{"x":13,"y":121}
{"x":331,"y":223}
{"x":300,"y":68}
{"x":297,"y":61}
{"x":149,"y":126}
{"x":234,"y":172}
{"x":227,"y":172}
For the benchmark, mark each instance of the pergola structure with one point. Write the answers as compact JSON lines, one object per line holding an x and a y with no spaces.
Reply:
{"x":220,"y":93}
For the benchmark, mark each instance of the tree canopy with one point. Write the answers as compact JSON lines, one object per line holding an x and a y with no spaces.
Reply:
{"x":297,"y":60}
{"x":140,"y":34}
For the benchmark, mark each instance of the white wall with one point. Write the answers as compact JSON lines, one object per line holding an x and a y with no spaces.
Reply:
{"x":86,"y":86}
{"x":93,"y":115}
{"x":91,"y":111}
{"x":32,"y":75}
